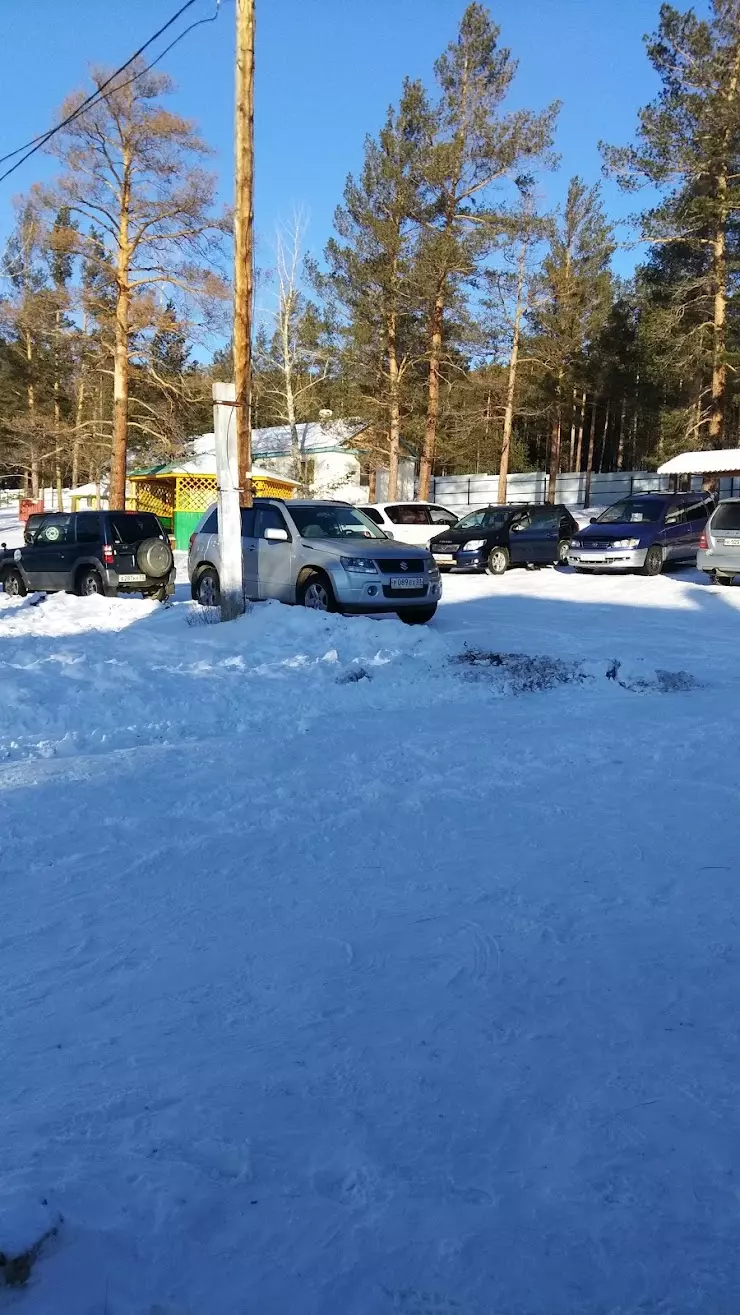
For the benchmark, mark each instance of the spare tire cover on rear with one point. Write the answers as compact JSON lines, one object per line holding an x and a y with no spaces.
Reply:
{"x":154,"y":557}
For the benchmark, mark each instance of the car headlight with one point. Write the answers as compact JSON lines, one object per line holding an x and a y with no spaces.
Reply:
{"x":359,"y":565}
{"x":473,"y":545}
{"x":626,"y":543}
{"x":576,"y":543}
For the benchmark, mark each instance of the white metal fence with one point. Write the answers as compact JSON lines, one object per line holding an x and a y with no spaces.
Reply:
{"x":460,"y":492}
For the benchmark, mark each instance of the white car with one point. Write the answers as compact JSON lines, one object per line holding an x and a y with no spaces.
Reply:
{"x":410,"y":522}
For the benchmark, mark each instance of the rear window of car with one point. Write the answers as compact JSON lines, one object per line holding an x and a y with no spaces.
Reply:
{"x":408,"y":514}
{"x":135,"y":526}
{"x":727,"y":516}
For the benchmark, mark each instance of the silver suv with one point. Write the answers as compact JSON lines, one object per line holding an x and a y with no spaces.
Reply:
{"x":324,"y":555}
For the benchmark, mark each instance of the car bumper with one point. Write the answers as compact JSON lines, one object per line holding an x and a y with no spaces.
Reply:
{"x":115,"y":585}
{"x":367,"y":593}
{"x":462,"y":561}
{"x":608,"y":559}
{"x":727,"y":560}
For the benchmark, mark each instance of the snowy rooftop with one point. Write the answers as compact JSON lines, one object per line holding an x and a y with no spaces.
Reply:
{"x":722,"y":461}
{"x":313,"y":436}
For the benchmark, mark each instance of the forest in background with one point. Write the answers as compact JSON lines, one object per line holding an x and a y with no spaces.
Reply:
{"x":464,"y":323}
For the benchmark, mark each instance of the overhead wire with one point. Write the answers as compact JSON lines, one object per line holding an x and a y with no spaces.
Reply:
{"x":36,"y":143}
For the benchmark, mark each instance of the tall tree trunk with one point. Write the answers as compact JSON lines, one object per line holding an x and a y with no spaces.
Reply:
{"x":635,"y":422}
{"x":430,"y":430}
{"x":117,"y":490}
{"x":394,"y":410}
{"x":604,"y":436}
{"x":719,"y":361}
{"x":590,"y":454}
{"x":579,"y":445}
{"x":31,"y":402}
{"x":57,"y":417}
{"x":78,"y":428}
{"x":719,"y":274}
{"x":555,"y":439}
{"x":486,"y":433}
{"x":503,"y":470}
{"x":620,"y":442}
{"x":572,"y":450}
{"x":298,"y":468}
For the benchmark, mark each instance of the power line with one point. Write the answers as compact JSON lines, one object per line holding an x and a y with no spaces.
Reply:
{"x":35,"y":144}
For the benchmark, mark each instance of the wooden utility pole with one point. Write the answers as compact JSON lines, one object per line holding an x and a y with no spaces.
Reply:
{"x":243,"y":243}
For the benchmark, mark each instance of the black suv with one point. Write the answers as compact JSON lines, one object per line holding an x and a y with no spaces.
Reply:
{"x":495,"y":538}
{"x":91,"y":552}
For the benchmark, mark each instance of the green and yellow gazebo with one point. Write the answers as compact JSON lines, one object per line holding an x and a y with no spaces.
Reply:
{"x":179,"y":493}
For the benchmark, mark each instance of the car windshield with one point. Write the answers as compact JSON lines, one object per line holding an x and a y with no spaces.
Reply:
{"x":632,"y":511}
{"x":327,"y":522}
{"x":488,"y":518}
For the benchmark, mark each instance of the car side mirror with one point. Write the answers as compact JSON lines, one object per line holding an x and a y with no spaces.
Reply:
{"x":389,"y":534}
{"x":593,"y":520}
{"x":274,"y":535}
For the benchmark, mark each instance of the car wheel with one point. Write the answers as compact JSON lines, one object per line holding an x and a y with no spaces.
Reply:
{"x":13,"y":585}
{"x":563,"y":550}
{"x":653,"y":561}
{"x":317,"y":594}
{"x":416,"y":616}
{"x":89,"y":584}
{"x":498,"y":561}
{"x":207,"y":590}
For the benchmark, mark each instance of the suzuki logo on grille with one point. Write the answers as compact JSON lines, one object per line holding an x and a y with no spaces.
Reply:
{"x":404,"y":566}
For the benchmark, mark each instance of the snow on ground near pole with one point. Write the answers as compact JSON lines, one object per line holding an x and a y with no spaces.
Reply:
{"x":341,"y":976}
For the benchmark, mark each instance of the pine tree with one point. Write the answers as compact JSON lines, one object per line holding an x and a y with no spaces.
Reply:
{"x":688,"y":146}
{"x":371,"y":265}
{"x":476,"y":144}
{"x":573,"y":299}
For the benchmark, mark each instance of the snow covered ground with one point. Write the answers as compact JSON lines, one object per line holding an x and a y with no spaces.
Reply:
{"x":353,"y":969}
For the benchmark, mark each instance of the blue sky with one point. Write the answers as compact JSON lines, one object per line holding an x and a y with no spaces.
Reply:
{"x":326,"y":71}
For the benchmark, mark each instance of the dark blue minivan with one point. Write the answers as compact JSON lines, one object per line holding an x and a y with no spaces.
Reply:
{"x":642,"y":533}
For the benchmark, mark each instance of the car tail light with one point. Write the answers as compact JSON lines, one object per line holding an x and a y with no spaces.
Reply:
{"x":703,"y":540}
{"x":108,"y":557}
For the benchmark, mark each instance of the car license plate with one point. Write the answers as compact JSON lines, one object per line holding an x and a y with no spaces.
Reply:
{"x":732,"y":543}
{"x":131,"y":579}
{"x":598,"y":560}
{"x":407,"y":582}
{"x":443,"y":557}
